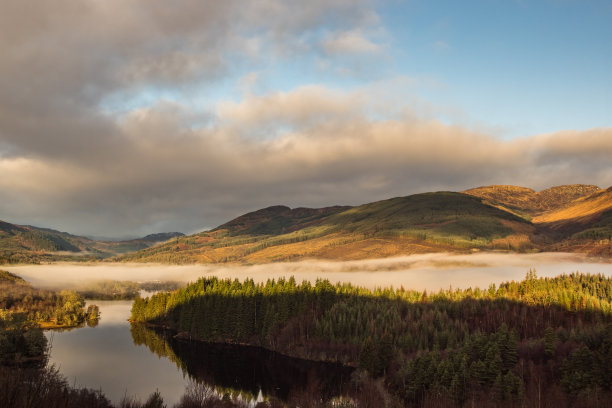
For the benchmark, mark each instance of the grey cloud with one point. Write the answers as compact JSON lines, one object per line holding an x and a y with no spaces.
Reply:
{"x":331,"y":152}
{"x":62,"y":59}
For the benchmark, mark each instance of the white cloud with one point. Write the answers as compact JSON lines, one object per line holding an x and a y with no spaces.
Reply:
{"x":350,"y":42}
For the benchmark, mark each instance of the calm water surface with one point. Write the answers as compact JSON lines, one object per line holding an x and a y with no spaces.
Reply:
{"x":105,"y":357}
{"x":131,"y":360}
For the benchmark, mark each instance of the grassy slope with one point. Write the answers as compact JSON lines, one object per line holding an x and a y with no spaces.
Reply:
{"x":415,"y":224}
{"x":582,"y":210}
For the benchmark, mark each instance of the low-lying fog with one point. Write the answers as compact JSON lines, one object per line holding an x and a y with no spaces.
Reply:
{"x":430,"y":271}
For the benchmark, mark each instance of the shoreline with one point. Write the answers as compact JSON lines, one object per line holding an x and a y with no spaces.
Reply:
{"x":187,"y":338}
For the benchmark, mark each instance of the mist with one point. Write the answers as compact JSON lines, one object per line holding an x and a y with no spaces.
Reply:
{"x":430,"y":272}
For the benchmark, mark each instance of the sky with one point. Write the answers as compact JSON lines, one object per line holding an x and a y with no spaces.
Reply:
{"x":122,"y":118}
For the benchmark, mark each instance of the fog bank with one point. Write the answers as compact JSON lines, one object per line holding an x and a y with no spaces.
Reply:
{"x":429,"y":271}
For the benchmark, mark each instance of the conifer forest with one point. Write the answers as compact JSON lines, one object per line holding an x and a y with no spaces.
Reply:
{"x":540,"y":342}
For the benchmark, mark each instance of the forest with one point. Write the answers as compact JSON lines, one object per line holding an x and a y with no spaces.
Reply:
{"x":538,"y":342}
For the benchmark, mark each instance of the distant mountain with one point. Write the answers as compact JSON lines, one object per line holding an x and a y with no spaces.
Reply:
{"x":27,"y":244}
{"x":442,"y":221}
{"x":158,"y":237}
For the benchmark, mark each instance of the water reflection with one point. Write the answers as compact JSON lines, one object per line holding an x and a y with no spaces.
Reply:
{"x":245,"y":371}
{"x":124,"y":360}
{"x":104,"y":357}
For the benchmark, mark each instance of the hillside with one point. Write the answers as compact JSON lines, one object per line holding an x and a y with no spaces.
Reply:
{"x":277,"y":220}
{"x":430,"y":222}
{"x":585,"y":225}
{"x":527,"y":202}
{"x":571,"y":218}
{"x":27,"y":244}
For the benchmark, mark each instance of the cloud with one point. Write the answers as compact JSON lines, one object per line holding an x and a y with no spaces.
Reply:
{"x":68,"y":160}
{"x":62,"y":60}
{"x":350,"y":42}
{"x":311,"y":146}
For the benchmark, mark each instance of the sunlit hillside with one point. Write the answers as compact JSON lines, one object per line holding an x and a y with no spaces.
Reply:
{"x":528,"y":202}
{"x":421,"y":223}
{"x":583,"y":226}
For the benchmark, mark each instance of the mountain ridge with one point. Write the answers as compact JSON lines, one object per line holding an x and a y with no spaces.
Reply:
{"x":419,"y":223}
{"x":574,"y":218}
{"x":530,"y":201}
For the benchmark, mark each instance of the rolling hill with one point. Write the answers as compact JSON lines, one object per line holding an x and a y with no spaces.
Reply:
{"x":570,"y":218}
{"x":430,"y":222}
{"x":27,"y":244}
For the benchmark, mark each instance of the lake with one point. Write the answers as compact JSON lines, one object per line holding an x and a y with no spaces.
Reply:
{"x":132,"y":360}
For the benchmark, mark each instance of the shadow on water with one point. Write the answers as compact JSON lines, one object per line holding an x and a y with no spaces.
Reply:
{"x":247,"y":371}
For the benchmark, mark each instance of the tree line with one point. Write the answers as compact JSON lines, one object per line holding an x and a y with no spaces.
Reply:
{"x":537,"y":342}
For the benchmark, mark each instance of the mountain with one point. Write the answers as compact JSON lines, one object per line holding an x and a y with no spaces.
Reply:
{"x":27,"y":244}
{"x":430,"y":222}
{"x":571,"y":218}
{"x":529,"y":202}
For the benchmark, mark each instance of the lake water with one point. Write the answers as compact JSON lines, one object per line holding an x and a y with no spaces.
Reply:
{"x":106,"y":357}
{"x":131,"y":360}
